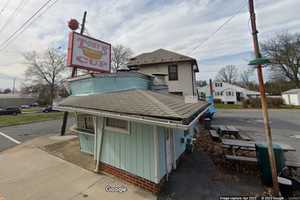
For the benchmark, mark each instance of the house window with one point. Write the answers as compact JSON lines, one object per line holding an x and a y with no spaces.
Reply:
{"x":229,"y":93}
{"x":173,"y":72}
{"x":118,"y":125}
{"x":85,"y":122}
{"x":218,"y":84}
{"x":177,"y":93}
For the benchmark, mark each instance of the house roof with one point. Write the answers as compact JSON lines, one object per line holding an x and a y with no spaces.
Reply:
{"x":227,"y":86}
{"x":144,"y":103}
{"x":292,"y":91}
{"x":159,"y":56}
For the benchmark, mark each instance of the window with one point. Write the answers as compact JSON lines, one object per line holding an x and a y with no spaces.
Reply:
{"x":173,"y":72}
{"x":177,"y":93}
{"x":218,"y":84}
{"x":229,"y":93}
{"x":117,"y":125}
{"x":203,"y":95}
{"x":85,"y":122}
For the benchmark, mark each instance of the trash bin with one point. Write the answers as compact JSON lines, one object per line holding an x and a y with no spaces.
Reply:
{"x":264,"y":164}
{"x":207,"y":123}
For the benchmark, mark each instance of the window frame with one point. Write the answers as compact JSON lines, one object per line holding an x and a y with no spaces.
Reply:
{"x":117,"y":129}
{"x":171,"y":78}
{"x":90,"y":131}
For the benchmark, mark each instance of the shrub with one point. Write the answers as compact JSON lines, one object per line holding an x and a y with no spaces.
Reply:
{"x":217,"y":101}
{"x":273,"y":102}
{"x":245,"y":103}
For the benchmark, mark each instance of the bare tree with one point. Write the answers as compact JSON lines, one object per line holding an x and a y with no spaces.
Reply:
{"x":245,"y":77}
{"x":120,"y":56}
{"x":284,"y":52}
{"x":46,"y":68}
{"x":228,"y":74}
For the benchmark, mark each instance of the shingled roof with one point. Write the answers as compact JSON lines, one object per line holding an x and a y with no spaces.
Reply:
{"x":139,"y":103}
{"x":159,"y":56}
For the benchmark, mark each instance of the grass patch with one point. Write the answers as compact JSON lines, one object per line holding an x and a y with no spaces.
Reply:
{"x":11,"y":120}
{"x":290,"y":107}
{"x":228,"y":106}
{"x":32,"y":109}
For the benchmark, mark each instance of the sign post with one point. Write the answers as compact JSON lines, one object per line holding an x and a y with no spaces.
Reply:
{"x":264,"y":105}
{"x":86,"y":53}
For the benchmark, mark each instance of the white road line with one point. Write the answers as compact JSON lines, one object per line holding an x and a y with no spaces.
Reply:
{"x":10,"y":138}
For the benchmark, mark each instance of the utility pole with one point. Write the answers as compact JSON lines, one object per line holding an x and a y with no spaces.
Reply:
{"x":264,"y":101}
{"x":211,"y":88}
{"x":14,"y":86}
{"x":74,"y":73}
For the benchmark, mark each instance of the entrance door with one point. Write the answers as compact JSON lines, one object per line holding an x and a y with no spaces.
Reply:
{"x":238,"y":96}
{"x":169,"y":151}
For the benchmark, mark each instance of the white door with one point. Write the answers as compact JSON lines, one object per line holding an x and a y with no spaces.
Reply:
{"x":169,"y":151}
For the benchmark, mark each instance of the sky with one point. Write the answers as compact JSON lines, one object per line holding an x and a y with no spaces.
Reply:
{"x":187,"y":27}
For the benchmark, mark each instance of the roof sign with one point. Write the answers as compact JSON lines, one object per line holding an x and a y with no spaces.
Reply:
{"x":88,"y":53}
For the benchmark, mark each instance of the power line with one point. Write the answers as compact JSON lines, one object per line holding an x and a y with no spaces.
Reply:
{"x":12,"y":15}
{"x":31,"y":22}
{"x":22,"y":28}
{"x":4,"y":7}
{"x":220,"y":27}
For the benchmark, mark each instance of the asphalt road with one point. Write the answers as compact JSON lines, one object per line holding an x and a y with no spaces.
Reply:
{"x":22,"y":133}
{"x":285,"y":125}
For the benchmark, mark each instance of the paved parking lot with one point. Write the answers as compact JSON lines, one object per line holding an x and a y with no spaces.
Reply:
{"x":11,"y":135}
{"x":285,"y":126}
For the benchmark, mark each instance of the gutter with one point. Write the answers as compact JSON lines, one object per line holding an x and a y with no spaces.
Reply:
{"x":168,"y":124}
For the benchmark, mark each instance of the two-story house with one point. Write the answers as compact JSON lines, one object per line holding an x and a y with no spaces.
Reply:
{"x":179,"y":71}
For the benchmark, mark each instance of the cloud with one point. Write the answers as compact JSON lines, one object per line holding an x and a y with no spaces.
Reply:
{"x":148,"y":25}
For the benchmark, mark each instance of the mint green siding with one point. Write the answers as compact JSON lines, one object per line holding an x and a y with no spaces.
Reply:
{"x":108,"y":84}
{"x":132,"y":152}
{"x":86,"y":142}
{"x":179,"y":147}
{"x":162,"y":151}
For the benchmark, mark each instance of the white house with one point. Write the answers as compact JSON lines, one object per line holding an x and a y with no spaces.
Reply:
{"x":227,"y":93}
{"x":291,"y":97}
{"x":177,"y":70}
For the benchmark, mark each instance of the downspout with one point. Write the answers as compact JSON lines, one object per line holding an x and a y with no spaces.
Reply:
{"x":166,"y":158}
{"x":95,"y":137}
{"x":174,"y":148}
{"x":100,"y":131}
{"x":156,"y":154}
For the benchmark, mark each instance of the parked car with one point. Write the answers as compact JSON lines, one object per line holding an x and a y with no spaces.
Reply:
{"x":10,"y":111}
{"x":49,"y":109}
{"x":34,"y":104}
{"x":25,"y":106}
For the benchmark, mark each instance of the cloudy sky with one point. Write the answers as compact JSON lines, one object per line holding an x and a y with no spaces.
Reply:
{"x":187,"y":27}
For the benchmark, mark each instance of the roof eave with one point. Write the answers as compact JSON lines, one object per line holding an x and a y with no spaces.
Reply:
{"x":141,"y":119}
{"x":163,"y":62}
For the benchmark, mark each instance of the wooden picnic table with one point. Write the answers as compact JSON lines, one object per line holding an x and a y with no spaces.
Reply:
{"x":229,"y":130}
{"x":250,"y":145}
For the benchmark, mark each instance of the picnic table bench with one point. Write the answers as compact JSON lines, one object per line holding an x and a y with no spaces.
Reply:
{"x":294,"y":164}
{"x":215,"y":136}
{"x":240,"y":158}
{"x":250,"y":145}
{"x":228,"y":130}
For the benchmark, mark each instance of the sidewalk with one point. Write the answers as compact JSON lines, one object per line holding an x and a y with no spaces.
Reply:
{"x":29,"y":173}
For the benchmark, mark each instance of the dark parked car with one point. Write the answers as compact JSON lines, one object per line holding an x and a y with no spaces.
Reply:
{"x":49,"y":109}
{"x":10,"y":111}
